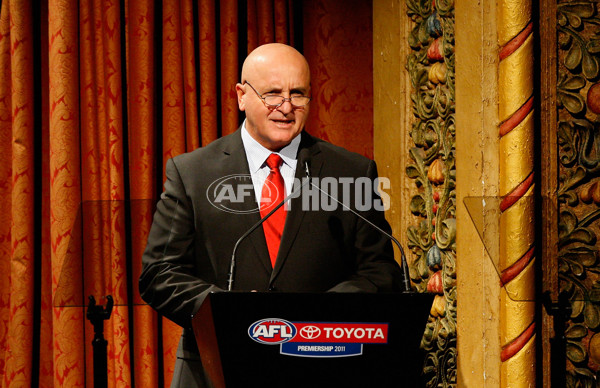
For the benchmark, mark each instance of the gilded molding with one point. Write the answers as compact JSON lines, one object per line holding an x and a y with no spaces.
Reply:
{"x":517,"y":234}
{"x":516,"y":158}
{"x":517,"y":231}
{"x":516,"y":315}
{"x":516,"y":75}
{"x":518,"y":370}
{"x":513,"y":17}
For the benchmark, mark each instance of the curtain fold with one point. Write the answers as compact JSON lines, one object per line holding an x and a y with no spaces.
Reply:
{"x":141,"y":100}
{"x":95,"y":96}
{"x":173,"y":110}
{"x":189,"y":75}
{"x":229,"y":68}
{"x":208,"y":68}
{"x":65,"y":193}
{"x":20,"y":326}
{"x":5,"y":179}
{"x":339,"y":62}
{"x":46,"y":343}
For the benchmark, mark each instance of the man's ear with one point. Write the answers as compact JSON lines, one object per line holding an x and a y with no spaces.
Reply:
{"x":239,"y":89}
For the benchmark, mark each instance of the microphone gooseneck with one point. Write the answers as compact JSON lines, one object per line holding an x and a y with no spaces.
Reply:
{"x":303,"y":155}
{"x":403,"y":263}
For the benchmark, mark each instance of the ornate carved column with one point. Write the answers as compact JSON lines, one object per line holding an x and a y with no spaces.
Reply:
{"x":517,"y":208}
{"x":495,"y":163}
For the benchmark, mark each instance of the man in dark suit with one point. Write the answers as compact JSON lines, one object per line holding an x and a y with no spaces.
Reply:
{"x":300,"y":250}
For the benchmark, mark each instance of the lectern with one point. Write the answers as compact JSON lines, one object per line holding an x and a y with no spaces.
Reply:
{"x":251,"y":339}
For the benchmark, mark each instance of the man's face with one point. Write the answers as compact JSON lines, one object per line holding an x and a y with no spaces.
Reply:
{"x":274,"y":128}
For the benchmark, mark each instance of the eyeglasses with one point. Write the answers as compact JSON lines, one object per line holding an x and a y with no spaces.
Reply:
{"x":275,"y":102}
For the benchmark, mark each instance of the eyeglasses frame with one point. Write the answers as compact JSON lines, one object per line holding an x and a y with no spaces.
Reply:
{"x":282,"y":102}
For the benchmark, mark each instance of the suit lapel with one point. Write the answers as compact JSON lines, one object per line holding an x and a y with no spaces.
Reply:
{"x":296,"y":215}
{"x":237,"y":160}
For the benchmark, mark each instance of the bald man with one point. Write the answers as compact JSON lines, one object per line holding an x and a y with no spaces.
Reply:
{"x":305,"y":248}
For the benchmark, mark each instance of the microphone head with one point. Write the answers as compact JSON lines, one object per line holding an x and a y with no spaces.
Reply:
{"x":303,"y":156}
{"x":304,"y":160}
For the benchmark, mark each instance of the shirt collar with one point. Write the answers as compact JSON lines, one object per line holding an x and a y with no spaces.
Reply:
{"x":257,"y":154}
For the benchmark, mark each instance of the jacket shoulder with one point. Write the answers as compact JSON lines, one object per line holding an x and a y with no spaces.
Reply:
{"x":209,"y":152}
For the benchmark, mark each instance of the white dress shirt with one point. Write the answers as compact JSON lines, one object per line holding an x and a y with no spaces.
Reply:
{"x":257,"y":156}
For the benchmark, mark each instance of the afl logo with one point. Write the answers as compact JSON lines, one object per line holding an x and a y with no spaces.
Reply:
{"x":272,"y":331}
{"x":229,"y":193}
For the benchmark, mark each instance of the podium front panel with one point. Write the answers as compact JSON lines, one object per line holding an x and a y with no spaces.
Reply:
{"x":319,"y":340}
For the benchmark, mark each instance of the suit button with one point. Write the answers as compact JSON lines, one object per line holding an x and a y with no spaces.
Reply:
{"x":272,"y":289}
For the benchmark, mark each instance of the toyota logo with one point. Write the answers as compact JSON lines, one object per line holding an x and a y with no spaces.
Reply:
{"x":310,"y":332}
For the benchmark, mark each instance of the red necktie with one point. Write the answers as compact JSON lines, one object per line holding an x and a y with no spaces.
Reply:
{"x":273,"y":192}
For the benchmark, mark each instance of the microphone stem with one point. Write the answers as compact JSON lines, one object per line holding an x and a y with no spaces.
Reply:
{"x":405,"y":272}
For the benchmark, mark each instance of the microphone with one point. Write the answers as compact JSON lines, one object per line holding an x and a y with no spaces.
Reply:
{"x":403,"y":263}
{"x":302,"y":155}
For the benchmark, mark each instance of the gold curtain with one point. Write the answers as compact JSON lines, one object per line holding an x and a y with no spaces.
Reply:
{"x":95,"y":96}
{"x":87,"y":120}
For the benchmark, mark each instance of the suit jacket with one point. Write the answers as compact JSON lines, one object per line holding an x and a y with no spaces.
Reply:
{"x":191,"y":240}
